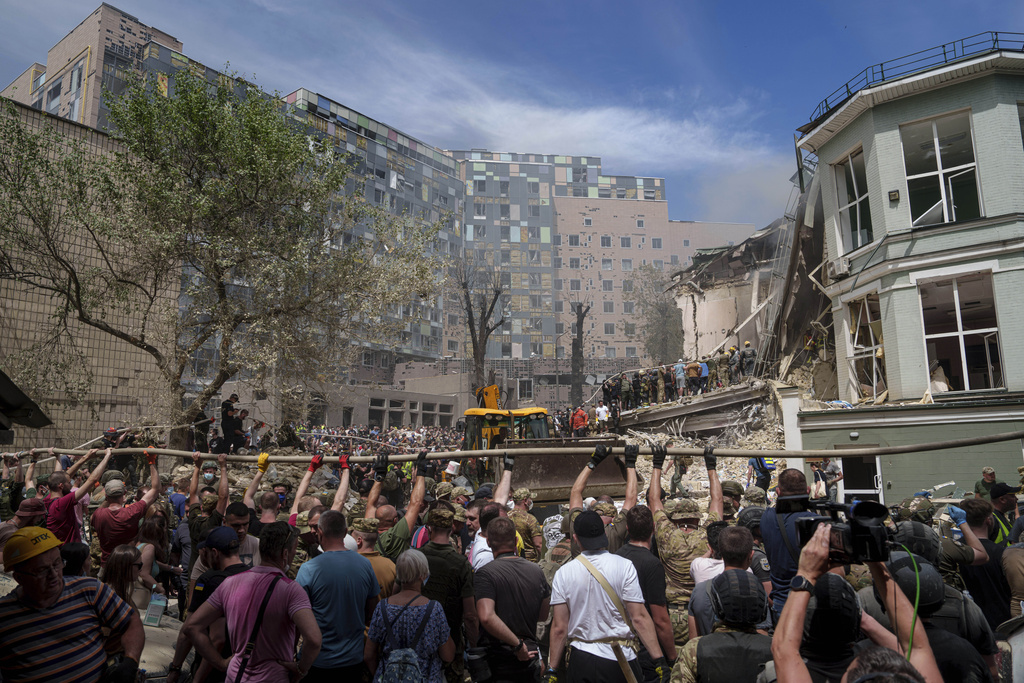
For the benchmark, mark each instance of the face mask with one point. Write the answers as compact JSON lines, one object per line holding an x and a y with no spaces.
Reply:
{"x":281,"y":498}
{"x":425,"y":579}
{"x":208,"y":476}
{"x":170,"y":490}
{"x":529,"y":505}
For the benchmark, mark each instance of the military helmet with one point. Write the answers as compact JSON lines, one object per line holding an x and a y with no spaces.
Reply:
{"x":917,"y":508}
{"x":686,"y":508}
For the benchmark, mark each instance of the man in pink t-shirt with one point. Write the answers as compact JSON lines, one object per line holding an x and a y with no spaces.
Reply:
{"x":238,"y":600}
{"x":116,"y":523}
{"x":62,"y":518}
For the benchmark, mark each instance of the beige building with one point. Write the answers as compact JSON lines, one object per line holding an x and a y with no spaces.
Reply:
{"x":96,"y":55}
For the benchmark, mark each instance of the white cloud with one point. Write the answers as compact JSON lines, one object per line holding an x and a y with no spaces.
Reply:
{"x":748,"y":193}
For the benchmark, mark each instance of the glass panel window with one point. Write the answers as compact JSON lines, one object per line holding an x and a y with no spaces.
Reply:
{"x":627,"y":307}
{"x":606,"y":264}
{"x":961,"y":333}
{"x":609,"y":352}
{"x":587,"y":222}
{"x":574,"y":285}
{"x":942,"y":178}
{"x":574,"y":240}
{"x":867,"y":364}
{"x":627,"y":286}
{"x":609,"y":306}
{"x":606,"y":240}
{"x":625,"y":242}
{"x":854,"y":211}
{"x":630,"y":352}
{"x":627,"y":264}
{"x":574,"y":264}
{"x":609,"y":328}
{"x":606,"y":285}
{"x":533,"y":187}
{"x":480,"y":186}
{"x":655,"y":243}
{"x":629,"y":329}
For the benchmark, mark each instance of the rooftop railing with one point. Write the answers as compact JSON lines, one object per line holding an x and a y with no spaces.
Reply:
{"x":978,"y":44}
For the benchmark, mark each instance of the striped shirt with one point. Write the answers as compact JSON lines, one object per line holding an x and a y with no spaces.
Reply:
{"x":62,"y":642}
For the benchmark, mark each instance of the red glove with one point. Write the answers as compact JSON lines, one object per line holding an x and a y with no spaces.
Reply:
{"x":343,"y":461}
{"x":150,"y":457}
{"x":316,"y":462}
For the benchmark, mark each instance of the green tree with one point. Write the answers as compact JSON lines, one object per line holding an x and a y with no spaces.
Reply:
{"x":216,"y":227}
{"x":657,"y":322}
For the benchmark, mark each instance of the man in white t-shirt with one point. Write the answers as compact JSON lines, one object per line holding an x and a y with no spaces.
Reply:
{"x":602,"y":416}
{"x":585,"y":613}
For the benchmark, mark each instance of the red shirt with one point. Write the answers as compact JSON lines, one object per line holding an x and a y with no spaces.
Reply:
{"x":116,"y":527}
{"x":62,"y":520}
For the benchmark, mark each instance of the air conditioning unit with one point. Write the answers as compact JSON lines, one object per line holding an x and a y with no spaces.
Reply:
{"x":838,"y":268}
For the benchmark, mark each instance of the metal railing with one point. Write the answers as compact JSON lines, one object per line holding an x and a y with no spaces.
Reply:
{"x":978,"y":44}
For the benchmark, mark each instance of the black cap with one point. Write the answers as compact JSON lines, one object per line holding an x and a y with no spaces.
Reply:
{"x":483,"y":492}
{"x":739,"y":598}
{"x":589,"y":529}
{"x":999,"y":490}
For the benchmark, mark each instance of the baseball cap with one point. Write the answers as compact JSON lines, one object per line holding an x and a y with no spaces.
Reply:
{"x":221,"y":538}
{"x":443,"y":490}
{"x":988,"y":470}
{"x":605,"y":509}
{"x":30,"y":507}
{"x":999,"y":490}
{"x":441,"y":518}
{"x":589,"y":528}
{"x":114,"y":487}
{"x":26,"y":543}
{"x":521,"y":494}
{"x":483,"y":492}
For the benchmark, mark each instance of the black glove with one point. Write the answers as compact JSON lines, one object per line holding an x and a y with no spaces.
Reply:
{"x":631,"y":453}
{"x":421,"y":464}
{"x":125,"y":671}
{"x":550,"y":676}
{"x":508,"y":461}
{"x":380,"y":467}
{"x":663,"y":670}
{"x":710,"y":459}
{"x":658,"y":454}
{"x":600,"y":453}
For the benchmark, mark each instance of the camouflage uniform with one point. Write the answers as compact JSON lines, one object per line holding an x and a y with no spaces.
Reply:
{"x":730,"y":490}
{"x":527,"y":526}
{"x":627,"y":395}
{"x":685,"y":669}
{"x":616,"y":529}
{"x":559,"y":554}
{"x":677,"y":550}
{"x":918,"y":509}
{"x":645,"y":389}
{"x":712,"y":372}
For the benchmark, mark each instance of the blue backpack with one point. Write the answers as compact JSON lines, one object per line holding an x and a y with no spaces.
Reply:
{"x":766,"y":464}
{"x":402,"y":664}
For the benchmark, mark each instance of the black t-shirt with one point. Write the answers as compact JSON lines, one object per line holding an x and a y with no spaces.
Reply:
{"x":208,"y":582}
{"x":518,"y":588}
{"x":255,"y":525}
{"x":987,"y":585}
{"x":957,"y":659}
{"x":649,"y":571}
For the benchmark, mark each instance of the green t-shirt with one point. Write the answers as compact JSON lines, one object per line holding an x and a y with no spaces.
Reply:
{"x":394,"y":541}
{"x":983,"y":488}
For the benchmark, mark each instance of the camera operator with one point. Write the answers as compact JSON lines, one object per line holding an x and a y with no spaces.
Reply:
{"x":813,"y":563}
{"x":781,"y":542}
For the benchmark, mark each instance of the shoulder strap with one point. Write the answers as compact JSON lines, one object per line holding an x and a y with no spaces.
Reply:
{"x":785,"y":538}
{"x":609,"y":590}
{"x":249,"y":646}
{"x":423,"y":622}
{"x":389,"y":633}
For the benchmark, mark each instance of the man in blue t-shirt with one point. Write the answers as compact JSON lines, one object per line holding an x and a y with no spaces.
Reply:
{"x":343,"y":592}
{"x":782,"y":556}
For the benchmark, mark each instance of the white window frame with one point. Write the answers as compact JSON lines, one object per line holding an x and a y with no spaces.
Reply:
{"x":866,"y":348}
{"x":852,"y":237}
{"x":588,"y":222}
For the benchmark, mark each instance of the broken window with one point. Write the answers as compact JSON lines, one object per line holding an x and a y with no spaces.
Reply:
{"x":867,"y":364}
{"x":961,"y":333}
{"x":480,"y":186}
{"x":606,"y":264}
{"x":854,"y":209}
{"x":942,"y":178}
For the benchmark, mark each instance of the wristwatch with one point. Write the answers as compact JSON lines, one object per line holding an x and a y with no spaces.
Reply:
{"x":800,"y":583}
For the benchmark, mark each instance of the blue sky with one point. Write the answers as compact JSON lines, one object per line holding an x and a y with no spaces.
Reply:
{"x":705,"y":94}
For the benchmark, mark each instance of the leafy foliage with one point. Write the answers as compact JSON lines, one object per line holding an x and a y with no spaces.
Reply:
{"x":657,"y":320}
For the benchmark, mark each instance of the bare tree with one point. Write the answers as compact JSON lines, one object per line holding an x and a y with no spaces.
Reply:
{"x":657,"y":322}
{"x":580,"y":309}
{"x":483,"y":298}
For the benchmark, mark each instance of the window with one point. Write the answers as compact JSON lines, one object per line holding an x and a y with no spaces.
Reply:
{"x":606,"y":264}
{"x":479,"y":232}
{"x":620,"y":192}
{"x":505,"y":211}
{"x":686,"y":243}
{"x":630,"y":352}
{"x":587,"y":222}
{"x":579,"y":174}
{"x":639,"y":222}
{"x":479,"y":186}
{"x":535,"y":280}
{"x":533,"y":257}
{"x":627,"y":264}
{"x":533,"y":188}
{"x":608,"y":306}
{"x":658,"y":264}
{"x":629,"y":329}
{"x":674,"y":260}
{"x":536,"y":324}
{"x":53,"y":99}
{"x":609,"y":352}
{"x":453,"y":345}
{"x":506,"y":233}
{"x":558,"y":284}
{"x":506,"y":258}
{"x":574,"y":264}
{"x":942,"y":180}
{"x":606,"y":240}
{"x":625,"y":242}
{"x":506,"y":349}
{"x":574,"y":285}
{"x":961,"y":333}
{"x":854,"y":209}
{"x":557,"y":262}
{"x":627,"y":307}
{"x":556,"y":240}
{"x":606,"y":285}
{"x":604,"y":192}
{"x":560,"y":352}
{"x":479,"y":210}
{"x":627,"y":286}
{"x":649,"y":194}
{"x":503,"y":188}
{"x":655,"y":243}
{"x":559,"y":328}
{"x":574,"y":240}
{"x":506,"y":279}
{"x":609,"y":328}
{"x":579,"y":192}
{"x":534,"y":211}
{"x":867,"y":365}
{"x":559,"y":305}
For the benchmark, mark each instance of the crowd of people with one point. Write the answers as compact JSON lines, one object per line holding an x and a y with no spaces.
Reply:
{"x":415,"y":577}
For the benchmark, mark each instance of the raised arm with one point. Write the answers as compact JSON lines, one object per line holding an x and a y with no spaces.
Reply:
{"x":904,"y":621}
{"x":714,"y":483}
{"x":658,"y":454}
{"x":77,"y":465}
{"x":631,"y":480}
{"x":222,"y":485}
{"x":154,"y":479}
{"x":193,"y":486}
{"x":504,"y":488}
{"x":419,"y":492}
{"x":959,"y":518}
{"x":341,"y":495}
{"x":262,"y":465}
{"x":97,"y":472}
{"x":380,"y":469}
{"x":789,"y":665}
{"x":578,"y":486}
{"x":314,"y":464}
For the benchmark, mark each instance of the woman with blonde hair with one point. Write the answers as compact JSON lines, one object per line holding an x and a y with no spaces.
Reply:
{"x":154,"y":556}
{"x":121,"y":573}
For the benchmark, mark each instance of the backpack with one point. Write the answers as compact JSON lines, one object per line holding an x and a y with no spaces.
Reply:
{"x":766,"y":464}
{"x":402,"y":665}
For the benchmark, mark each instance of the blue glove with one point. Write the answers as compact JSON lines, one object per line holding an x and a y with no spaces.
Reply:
{"x":956,"y":514}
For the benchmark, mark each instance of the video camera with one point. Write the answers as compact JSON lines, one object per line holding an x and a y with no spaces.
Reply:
{"x":862,"y":537}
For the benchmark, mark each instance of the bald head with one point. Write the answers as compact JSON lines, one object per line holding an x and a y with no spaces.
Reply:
{"x":386,"y":515}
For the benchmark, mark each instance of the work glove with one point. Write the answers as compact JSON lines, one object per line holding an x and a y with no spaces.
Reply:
{"x":631,"y":452}
{"x":956,"y":514}
{"x":662,"y":669}
{"x":125,"y":671}
{"x":550,"y":676}
{"x":658,"y":454}
{"x":422,"y":464}
{"x":710,"y":459}
{"x":316,"y":462}
{"x":508,"y":461}
{"x":600,"y":453}
{"x":380,"y":467}
{"x":343,"y":461}
{"x":150,"y":457}
{"x":263,"y":462}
